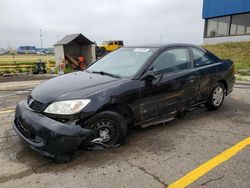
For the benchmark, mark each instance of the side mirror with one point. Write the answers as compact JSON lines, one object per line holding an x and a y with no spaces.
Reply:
{"x":149,"y":76}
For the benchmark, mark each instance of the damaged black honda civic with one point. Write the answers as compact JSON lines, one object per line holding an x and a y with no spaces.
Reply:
{"x":132,"y":86}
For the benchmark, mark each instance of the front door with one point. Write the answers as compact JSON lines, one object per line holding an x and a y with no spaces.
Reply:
{"x":176,"y":84}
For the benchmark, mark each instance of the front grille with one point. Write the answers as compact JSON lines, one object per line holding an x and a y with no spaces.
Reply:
{"x":25,"y":131}
{"x":34,"y":104}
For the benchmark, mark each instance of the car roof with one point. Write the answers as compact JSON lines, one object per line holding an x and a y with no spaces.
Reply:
{"x":163,"y":45}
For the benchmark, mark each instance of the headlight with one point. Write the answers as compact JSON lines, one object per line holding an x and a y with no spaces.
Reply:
{"x":67,"y":107}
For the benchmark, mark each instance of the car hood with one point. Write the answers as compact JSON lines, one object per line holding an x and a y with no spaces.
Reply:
{"x":72,"y":86}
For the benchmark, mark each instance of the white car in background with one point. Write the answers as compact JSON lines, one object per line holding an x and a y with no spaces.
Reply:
{"x":2,"y":52}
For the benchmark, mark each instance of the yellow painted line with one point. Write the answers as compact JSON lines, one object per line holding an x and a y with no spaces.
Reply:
{"x":209,"y":165}
{"x":7,"y":111}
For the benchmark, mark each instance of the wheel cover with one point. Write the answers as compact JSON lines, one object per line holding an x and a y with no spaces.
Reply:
{"x":105,"y":130}
{"x":218,"y":96}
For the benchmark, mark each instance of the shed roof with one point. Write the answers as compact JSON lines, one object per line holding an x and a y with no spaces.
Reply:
{"x":78,"y":38}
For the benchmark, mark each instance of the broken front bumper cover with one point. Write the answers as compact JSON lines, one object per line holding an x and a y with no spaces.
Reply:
{"x":47,"y":136}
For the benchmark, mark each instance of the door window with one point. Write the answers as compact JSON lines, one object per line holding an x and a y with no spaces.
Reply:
{"x":171,"y":61}
{"x":200,"y":58}
{"x":120,"y":43}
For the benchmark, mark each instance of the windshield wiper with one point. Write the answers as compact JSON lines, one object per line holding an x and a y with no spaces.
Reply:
{"x":106,"y":73}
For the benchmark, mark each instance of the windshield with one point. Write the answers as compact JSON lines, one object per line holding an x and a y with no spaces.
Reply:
{"x":124,"y":62}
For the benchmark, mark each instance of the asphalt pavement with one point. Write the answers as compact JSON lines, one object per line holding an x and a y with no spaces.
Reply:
{"x":203,"y":149}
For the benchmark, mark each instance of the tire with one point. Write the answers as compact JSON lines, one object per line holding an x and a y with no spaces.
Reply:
{"x":111,"y":121}
{"x":216,"y":97}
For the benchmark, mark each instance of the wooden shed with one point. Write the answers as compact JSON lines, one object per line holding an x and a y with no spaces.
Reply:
{"x":72,"y":46}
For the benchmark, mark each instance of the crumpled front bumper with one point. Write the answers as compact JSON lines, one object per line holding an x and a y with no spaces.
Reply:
{"x":45,"y":135}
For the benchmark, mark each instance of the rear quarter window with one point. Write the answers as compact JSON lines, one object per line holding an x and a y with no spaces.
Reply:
{"x":201,"y":58}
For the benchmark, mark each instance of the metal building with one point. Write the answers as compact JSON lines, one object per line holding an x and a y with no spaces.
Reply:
{"x":226,"y":21}
{"x":72,"y":46}
{"x":26,"y":50}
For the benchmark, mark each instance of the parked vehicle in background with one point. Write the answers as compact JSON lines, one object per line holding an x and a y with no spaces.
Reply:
{"x":109,"y":46}
{"x":41,"y":52}
{"x":2,"y":51}
{"x":133,"y":86}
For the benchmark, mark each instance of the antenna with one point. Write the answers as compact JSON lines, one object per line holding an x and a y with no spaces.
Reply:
{"x":41,"y":38}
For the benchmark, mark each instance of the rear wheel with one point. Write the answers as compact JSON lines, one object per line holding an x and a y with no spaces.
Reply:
{"x":110,"y":128}
{"x":216,"y":97}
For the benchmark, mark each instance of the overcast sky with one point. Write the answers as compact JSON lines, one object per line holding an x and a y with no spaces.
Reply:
{"x":133,"y":21}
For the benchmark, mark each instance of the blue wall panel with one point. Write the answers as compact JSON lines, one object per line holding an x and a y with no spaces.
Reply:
{"x":214,"y":8}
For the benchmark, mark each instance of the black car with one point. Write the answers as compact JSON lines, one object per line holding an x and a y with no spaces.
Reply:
{"x":133,"y":86}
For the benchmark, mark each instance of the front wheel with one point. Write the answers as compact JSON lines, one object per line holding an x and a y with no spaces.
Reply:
{"x":110,"y":128}
{"x":216,"y":97}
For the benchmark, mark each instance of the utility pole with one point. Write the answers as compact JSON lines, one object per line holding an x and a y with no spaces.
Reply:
{"x":41,"y":38}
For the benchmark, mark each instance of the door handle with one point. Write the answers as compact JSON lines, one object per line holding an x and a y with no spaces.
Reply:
{"x":191,"y":79}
